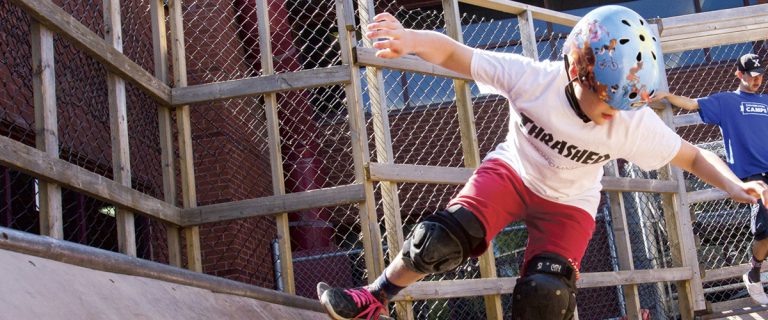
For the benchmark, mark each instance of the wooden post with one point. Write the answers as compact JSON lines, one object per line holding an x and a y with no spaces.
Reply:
{"x":623,"y":246}
{"x":186,"y":164}
{"x":165,"y":125}
{"x":679,"y":223}
{"x":528,"y":35}
{"x":46,"y":126}
{"x":470,"y":147}
{"x":275,"y":155}
{"x":369,"y":224}
{"x":393,"y":221}
{"x":118,"y":119}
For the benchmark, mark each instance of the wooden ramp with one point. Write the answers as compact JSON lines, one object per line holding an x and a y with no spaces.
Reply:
{"x":739,"y":309}
{"x":41,"y":288}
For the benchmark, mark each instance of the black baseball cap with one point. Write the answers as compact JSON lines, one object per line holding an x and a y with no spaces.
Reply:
{"x":750,"y":62}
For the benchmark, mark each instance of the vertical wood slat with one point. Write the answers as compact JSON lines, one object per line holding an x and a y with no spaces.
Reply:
{"x":623,"y":246}
{"x":369,"y":225}
{"x":275,"y":155}
{"x":165,"y":125}
{"x":470,"y":147}
{"x":528,"y":35}
{"x":186,"y":165}
{"x":393,"y":221}
{"x":118,"y":118}
{"x":679,"y":225}
{"x":46,"y":126}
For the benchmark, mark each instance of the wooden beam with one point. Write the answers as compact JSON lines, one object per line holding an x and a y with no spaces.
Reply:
{"x":680,"y":24}
{"x":706,"y":195}
{"x":427,"y":290}
{"x":407,"y":63}
{"x":369,"y":223}
{"x":408,"y":173}
{"x":745,"y":34}
{"x":271,"y":205}
{"x":165,"y":126}
{"x":515,"y":8}
{"x":118,"y":124}
{"x":623,"y":242}
{"x":470,"y":147}
{"x":58,"y":20}
{"x":46,"y":126}
{"x":689,"y":119}
{"x":715,"y":28}
{"x":638,"y":185}
{"x":260,"y":85}
{"x":184,"y":127}
{"x":36,"y":163}
{"x":528,"y":35}
{"x":382,"y":136}
{"x":275,"y":154}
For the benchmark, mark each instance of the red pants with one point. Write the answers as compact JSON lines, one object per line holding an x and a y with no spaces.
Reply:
{"x":497,"y":196}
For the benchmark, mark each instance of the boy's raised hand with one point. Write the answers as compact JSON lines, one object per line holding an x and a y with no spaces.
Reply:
{"x":390,"y":37}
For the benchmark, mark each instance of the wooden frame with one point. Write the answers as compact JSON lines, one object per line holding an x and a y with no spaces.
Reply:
{"x":679,"y":33}
{"x":53,"y":17}
{"x":46,"y":126}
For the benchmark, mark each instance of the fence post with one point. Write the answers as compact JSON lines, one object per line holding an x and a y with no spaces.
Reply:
{"x":186,"y":163}
{"x":528,"y":35}
{"x":165,"y":123}
{"x":118,"y":118}
{"x":275,"y":155}
{"x":623,"y":245}
{"x":390,"y":201}
{"x":46,"y":126}
{"x":679,"y":223}
{"x":369,"y":224}
{"x":470,"y":148}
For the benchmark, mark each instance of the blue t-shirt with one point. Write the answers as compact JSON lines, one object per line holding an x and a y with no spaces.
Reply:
{"x":743,"y":121}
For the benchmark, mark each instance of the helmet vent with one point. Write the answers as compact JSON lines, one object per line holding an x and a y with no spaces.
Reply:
{"x":651,"y":93}
{"x":654,"y":55}
{"x":639,"y":56}
{"x":633,"y":95}
{"x":642,"y":23}
{"x":623,"y":41}
{"x":654,"y":38}
{"x":626,"y":22}
{"x":642,"y":37}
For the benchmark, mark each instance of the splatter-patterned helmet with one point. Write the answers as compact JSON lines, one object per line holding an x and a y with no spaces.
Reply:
{"x":616,"y":55}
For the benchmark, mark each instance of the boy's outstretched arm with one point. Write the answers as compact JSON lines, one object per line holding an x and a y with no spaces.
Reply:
{"x":678,"y":101}
{"x":708,"y":166}
{"x":394,"y":41}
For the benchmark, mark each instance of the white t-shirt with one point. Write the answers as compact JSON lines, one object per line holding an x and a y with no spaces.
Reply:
{"x":557,"y":155}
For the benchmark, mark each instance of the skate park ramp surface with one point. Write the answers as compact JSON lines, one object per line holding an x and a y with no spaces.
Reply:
{"x":39,"y":288}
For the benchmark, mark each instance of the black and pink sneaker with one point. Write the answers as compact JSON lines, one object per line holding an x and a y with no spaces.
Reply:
{"x":347,"y":304}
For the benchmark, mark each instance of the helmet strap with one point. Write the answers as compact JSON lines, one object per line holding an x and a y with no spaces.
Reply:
{"x":571,"y":95}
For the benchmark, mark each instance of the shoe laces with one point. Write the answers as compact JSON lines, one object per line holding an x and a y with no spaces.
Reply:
{"x":363,"y":297}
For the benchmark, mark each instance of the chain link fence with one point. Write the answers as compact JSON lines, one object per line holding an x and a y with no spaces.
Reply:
{"x":232,"y":155}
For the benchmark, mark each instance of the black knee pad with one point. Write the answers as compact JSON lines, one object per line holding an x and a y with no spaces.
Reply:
{"x":443,"y":241}
{"x":547,"y":291}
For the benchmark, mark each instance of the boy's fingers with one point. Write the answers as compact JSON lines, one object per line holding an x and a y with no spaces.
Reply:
{"x":382,"y":34}
{"x":384,"y":16}
{"x":384,"y":26}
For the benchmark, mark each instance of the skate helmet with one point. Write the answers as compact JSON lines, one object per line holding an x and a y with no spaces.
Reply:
{"x":617,"y":56}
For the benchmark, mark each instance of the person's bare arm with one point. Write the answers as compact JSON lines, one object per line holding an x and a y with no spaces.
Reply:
{"x":708,"y":166}
{"x":678,"y":101}
{"x":394,"y":41}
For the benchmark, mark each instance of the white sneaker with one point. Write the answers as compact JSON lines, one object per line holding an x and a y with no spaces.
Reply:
{"x":755,"y":290}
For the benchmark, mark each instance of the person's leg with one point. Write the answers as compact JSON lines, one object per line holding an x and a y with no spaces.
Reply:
{"x":439,"y":243}
{"x":558,"y":236}
{"x":759,"y":228}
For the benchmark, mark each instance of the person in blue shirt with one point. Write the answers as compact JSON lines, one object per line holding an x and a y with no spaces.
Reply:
{"x":742,"y":116}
